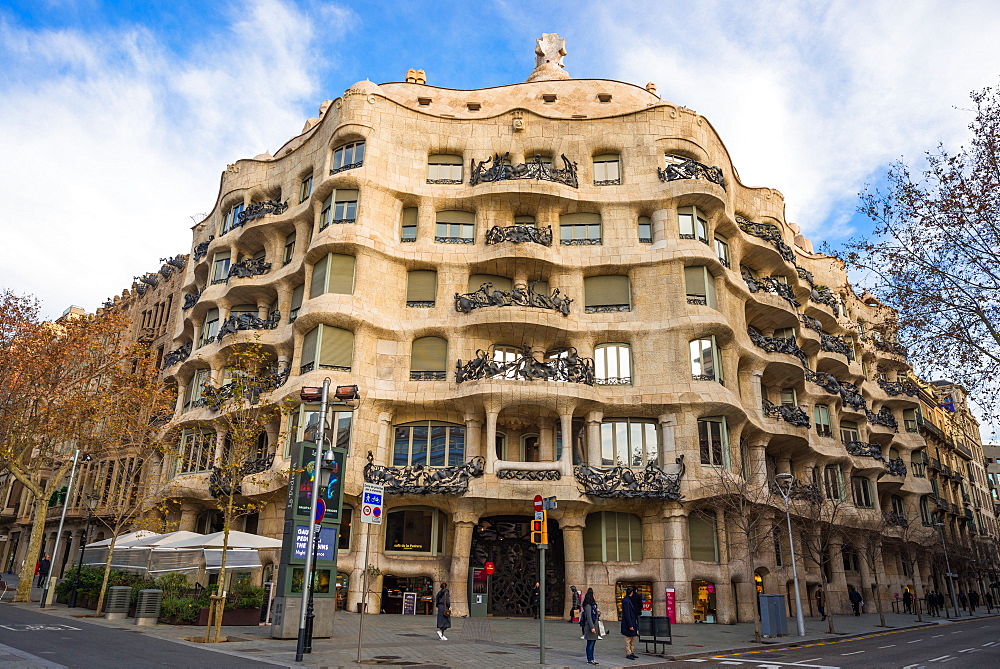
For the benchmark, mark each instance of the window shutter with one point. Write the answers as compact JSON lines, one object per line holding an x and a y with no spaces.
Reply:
{"x":341,"y":274}
{"x":694,"y":279}
{"x":467,"y":217}
{"x":212,"y":315}
{"x":499,"y":282}
{"x":309,"y":346}
{"x":702,"y":536}
{"x":421,"y":285}
{"x":429,"y":354}
{"x":635,"y":537}
{"x":297,"y":293}
{"x":409,"y":216}
{"x":318,"y":285}
{"x":336,"y":346}
{"x":443,"y":159}
{"x":580,"y":219}
{"x":606,"y":290}
{"x":243,"y":309}
{"x":344,"y":195}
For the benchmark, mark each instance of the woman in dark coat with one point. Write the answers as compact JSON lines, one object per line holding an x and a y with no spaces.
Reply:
{"x":589,"y":622}
{"x":630,"y":621}
{"x":443,"y":611}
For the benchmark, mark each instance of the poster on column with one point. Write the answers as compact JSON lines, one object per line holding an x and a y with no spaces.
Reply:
{"x":671,"y":606}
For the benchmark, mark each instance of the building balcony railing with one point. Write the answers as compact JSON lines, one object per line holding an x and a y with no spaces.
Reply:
{"x":807,"y":492}
{"x":201,"y":250}
{"x":700,"y":300}
{"x":651,"y":482}
{"x":421,"y":480}
{"x":344,"y":168}
{"x":336,"y":221}
{"x":822,"y":295}
{"x":428,"y":376}
{"x":884,"y":418}
{"x":786,"y":412}
{"x":249,"y":267}
{"x":964,"y":450}
{"x":252,"y":388}
{"x":259,"y":210}
{"x":454,"y":240}
{"x":246,"y":321}
{"x":517,"y":297}
{"x":691,"y":169}
{"x":894,"y":388}
{"x":497,"y":168}
{"x":776,"y":344}
{"x":221,"y":484}
{"x":509,"y":474}
{"x":861,"y":449}
{"x":934,"y":464}
{"x":421,"y":304}
{"x":519,"y":234}
{"x":568,"y":367}
{"x":769,"y":233}
{"x":310,"y":366}
{"x":191,"y":299}
{"x":581,"y":241}
{"x":828,"y":342}
{"x":606,"y":308}
{"x":179,"y":354}
{"x":615,"y":381}
{"x":895,"y":519}
{"x":890,"y":347}
{"x":895,"y":467}
{"x":931,"y":428}
{"x":769,"y":284}
{"x":918,"y":468}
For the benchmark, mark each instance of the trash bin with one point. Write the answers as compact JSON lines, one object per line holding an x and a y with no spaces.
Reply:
{"x":119,"y":597}
{"x":147,"y":608}
{"x":773,"y":620}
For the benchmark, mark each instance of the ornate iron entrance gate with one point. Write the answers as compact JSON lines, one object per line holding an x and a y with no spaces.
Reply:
{"x":504,"y":541}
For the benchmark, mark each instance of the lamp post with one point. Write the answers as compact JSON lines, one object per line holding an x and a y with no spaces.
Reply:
{"x":947,"y":565}
{"x":62,"y":519}
{"x":90,"y":503}
{"x":784,"y":483}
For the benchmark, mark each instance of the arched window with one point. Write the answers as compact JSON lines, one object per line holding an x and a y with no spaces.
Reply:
{"x":613,"y":364}
{"x":417,"y":530}
{"x":703,"y":536}
{"x":607,"y":293}
{"x":629,"y":442}
{"x":333,"y":273}
{"x":428,"y":443}
{"x":429,"y":359}
{"x":611,"y":536}
{"x":327,"y":347}
{"x":348,"y":156}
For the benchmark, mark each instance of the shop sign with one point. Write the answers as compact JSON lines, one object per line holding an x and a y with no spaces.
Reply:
{"x":479,"y":575}
{"x":325,"y":551}
{"x":409,"y":603}
{"x":671,"y":606}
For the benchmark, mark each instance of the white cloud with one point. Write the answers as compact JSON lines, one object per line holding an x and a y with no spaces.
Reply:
{"x":112,"y":141}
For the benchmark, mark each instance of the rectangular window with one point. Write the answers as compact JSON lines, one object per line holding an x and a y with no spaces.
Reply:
{"x":444,"y":169}
{"x":722,"y":250}
{"x":821,"y":414}
{"x":789,"y":397}
{"x":197,"y":451}
{"x":629,"y":443}
{"x":455,"y":227}
{"x":645,"y":230}
{"x":231,"y":219}
{"x":289,"y":251}
{"x":340,"y":208}
{"x":833,"y":482}
{"x":703,"y":536}
{"x":210,"y":328}
{"x":327,"y":347}
{"x":861,"y":489}
{"x":348,"y":157}
{"x":334,"y":273}
{"x":297,"y":294}
{"x":580,"y":229}
{"x":849,"y":431}
{"x":220,"y":267}
{"x":408,"y":225}
{"x":705,"y":360}
{"x":850,"y":559}
{"x":910,"y":420}
{"x":692,"y":224}
{"x":607,"y":170}
{"x":421,"y":288}
{"x":306,"y":188}
{"x":713,"y":441}
{"x":699,"y":285}
{"x":606,"y":293}
{"x":195,"y":388}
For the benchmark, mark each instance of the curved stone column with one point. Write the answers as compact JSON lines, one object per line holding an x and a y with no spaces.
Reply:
{"x":458,"y":578}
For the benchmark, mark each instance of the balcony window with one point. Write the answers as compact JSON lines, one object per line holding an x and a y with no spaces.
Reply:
{"x":645,"y":230}
{"x":785,"y":333}
{"x":231,"y":219}
{"x":196,"y":452}
{"x":305,"y":188}
{"x":722,"y":250}
{"x":416,"y":531}
{"x":849,"y":431}
{"x":476,"y":281}
{"x":444,"y":169}
{"x":580,"y":229}
{"x":220,"y":267}
{"x":833,"y":482}
{"x":348,"y":156}
{"x":408,"y":225}
{"x":613,"y":364}
{"x":693,"y":224}
{"x":910,"y":420}
{"x":699,"y":285}
{"x":629,"y":442}
{"x":607,"y":170}
{"x":611,"y":536}
{"x":862,"y":492}
{"x":850,"y":556}
{"x":455,"y":227}
{"x":703,"y":536}
{"x":297,"y":293}
{"x":340,"y":208}
{"x":333,"y":273}
{"x":898,"y":506}
{"x":195,"y":388}
{"x":289,"y":252}
{"x":607,"y":293}
{"x":706,"y":361}
{"x":210,"y":328}
{"x":821,"y":416}
{"x":327,"y":347}
{"x":429,"y":359}
{"x":421,"y":288}
{"x":303,"y":425}
{"x":428,"y":443}
{"x":789,"y":397}
{"x":713,"y":441}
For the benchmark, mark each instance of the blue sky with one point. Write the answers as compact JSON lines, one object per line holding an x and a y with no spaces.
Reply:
{"x":117,"y":118}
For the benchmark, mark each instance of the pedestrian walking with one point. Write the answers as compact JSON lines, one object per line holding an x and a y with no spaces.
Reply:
{"x":589,"y":622}
{"x":574,"y":604}
{"x":43,"y":570}
{"x":973,"y":601}
{"x":940,"y":601}
{"x":443,"y":611}
{"x":907,"y":602}
{"x":630,"y":621}
{"x":963,"y":601}
{"x":535,"y":596}
{"x":856,"y":600}
{"x":989,"y":601}
{"x":821,"y":603}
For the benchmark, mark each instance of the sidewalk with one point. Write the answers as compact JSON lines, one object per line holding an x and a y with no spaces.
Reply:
{"x":394,"y":640}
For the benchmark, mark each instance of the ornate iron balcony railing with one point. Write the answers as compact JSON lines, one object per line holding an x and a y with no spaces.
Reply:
{"x":245,"y":321}
{"x":806,"y":492}
{"x":201,"y":250}
{"x":895,"y":467}
{"x":518,"y":234}
{"x":822,"y":295}
{"x":421,"y":304}
{"x":891,"y":347}
{"x":651,"y":482}
{"x":428,"y":376}
{"x":776,"y":344}
{"x":884,"y":418}
{"x":769,"y":284}
{"x":487,"y":297}
{"x":861,"y":449}
{"x":569,"y":367}
{"x":529,"y":474}
{"x":349,"y":166}
{"x":219,"y":484}
{"x":310,"y":366}
{"x":454,"y":240}
{"x":828,"y":342}
{"x":497,"y":169}
{"x":852,"y":396}
{"x":337,"y":221}
{"x":582,"y":241}
{"x":422,"y":480}
{"x":608,"y":182}
{"x":179,"y":354}
{"x":252,"y":388}
{"x":805,"y":275}
{"x":895,"y":519}
{"x":258,"y":210}
{"x":697,"y":299}
{"x":606,"y":308}
{"x":788,"y":413}
{"x":769,"y":233}
{"x":447,"y":182}
{"x":249,"y":267}
{"x":191,"y":299}
{"x":691,"y":169}
{"x":894,"y":388}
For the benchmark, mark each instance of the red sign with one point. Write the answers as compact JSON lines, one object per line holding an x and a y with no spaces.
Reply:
{"x":672,"y":606}
{"x":647,"y":606}
{"x":478,"y":575}
{"x":538,"y":502}
{"x":490,"y":568}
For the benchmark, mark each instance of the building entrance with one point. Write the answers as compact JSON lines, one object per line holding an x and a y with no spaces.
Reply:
{"x":505,"y":541}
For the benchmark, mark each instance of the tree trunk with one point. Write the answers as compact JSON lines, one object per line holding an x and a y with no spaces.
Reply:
{"x":107,"y":573}
{"x":27,"y":572}
{"x":829,"y":610}
{"x":878,"y":603}
{"x":220,"y":589}
{"x":758,"y":627}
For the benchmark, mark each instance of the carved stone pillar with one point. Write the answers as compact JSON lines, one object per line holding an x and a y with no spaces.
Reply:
{"x":189,"y":516}
{"x":758,"y":465}
{"x":594,"y":419}
{"x":757,"y":390}
{"x":566,"y":434}
{"x":668,"y":447}
{"x":837,"y":591}
{"x":473,"y":436}
{"x":661,"y":220}
{"x":384,"y":436}
{"x":572,"y":529}
{"x":546,"y":440}
{"x":458,"y":579}
{"x":675,"y":562}
{"x":491,"y":440}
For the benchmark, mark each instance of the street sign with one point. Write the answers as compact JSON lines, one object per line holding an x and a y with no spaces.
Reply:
{"x":539,"y":515}
{"x":549,"y":503}
{"x":371,"y":503}
{"x":320,"y":510}
{"x":539,"y":503}
{"x":490,"y":568}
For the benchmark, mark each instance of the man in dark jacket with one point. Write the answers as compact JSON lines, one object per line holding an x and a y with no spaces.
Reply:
{"x":856,"y":600}
{"x":630,"y":621}
{"x":43,"y":570}
{"x":535,"y":597}
{"x":973,"y":601}
{"x":907,"y":602}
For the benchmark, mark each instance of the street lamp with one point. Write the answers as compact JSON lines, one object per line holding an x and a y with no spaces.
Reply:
{"x":784,"y":483}
{"x":62,"y":519}
{"x":947,"y":565}
{"x":90,"y":503}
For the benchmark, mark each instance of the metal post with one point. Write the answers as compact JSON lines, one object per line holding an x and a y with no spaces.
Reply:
{"x":541,"y":603}
{"x":79,"y":564}
{"x":310,"y":614}
{"x":800,"y":623}
{"x":947,"y":565}
{"x":62,"y":519}
{"x":364,"y":591}
{"x":307,"y":576}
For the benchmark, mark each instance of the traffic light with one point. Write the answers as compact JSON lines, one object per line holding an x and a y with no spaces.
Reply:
{"x":540,"y":530}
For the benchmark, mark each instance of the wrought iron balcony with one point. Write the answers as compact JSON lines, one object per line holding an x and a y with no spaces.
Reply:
{"x":568,"y":367}
{"x":895,"y":467}
{"x":529,"y":474}
{"x":776,"y":344}
{"x":769,"y":233}
{"x":246,"y":321}
{"x":806,"y":492}
{"x":251,"y":387}
{"x":518,"y":234}
{"x":788,"y":413}
{"x":606,"y":308}
{"x":651,"y":482}
{"x":310,"y":366}
{"x":422,"y":480}
{"x":691,"y":169}
{"x":497,"y":168}
{"x":895,"y":519}
{"x":220,"y":485}
{"x":582,"y":241}
{"x":851,"y":395}
{"x":249,"y":267}
{"x":616,"y":381}
{"x":894,"y":388}
{"x":769,"y":284}
{"x":201,"y":250}
{"x":932,"y":428}
{"x":805,"y":275}
{"x":891,"y":347}
{"x":884,"y":418}
{"x":828,"y":342}
{"x":421,"y":304}
{"x":454,"y":240}
{"x":191,"y":299}
{"x":428,"y":376}
{"x":822,"y":295}
{"x":258,"y":210}
{"x":861,"y":449}
{"x":336,"y":221}
{"x":487,"y":297}
{"x":700,"y":300}
{"x":343,"y":168}
{"x":179,"y":354}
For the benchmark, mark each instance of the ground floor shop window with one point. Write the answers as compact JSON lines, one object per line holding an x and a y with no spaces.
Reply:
{"x":417,"y":531}
{"x":703,"y":595}
{"x":394,"y":588}
{"x":343,"y":582}
{"x":644,"y":588}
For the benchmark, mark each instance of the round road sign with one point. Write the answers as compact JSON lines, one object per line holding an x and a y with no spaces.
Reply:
{"x":538,"y":503}
{"x":367,"y":510}
{"x":377,"y":511}
{"x":320,"y":510}
{"x":490,"y":568}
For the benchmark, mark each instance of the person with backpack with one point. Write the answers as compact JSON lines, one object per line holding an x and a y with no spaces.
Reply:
{"x":443,"y":602}
{"x":574,"y":604}
{"x":630,"y":621}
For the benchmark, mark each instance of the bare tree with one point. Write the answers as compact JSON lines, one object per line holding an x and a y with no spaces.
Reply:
{"x":865,"y":533}
{"x":914,"y":540}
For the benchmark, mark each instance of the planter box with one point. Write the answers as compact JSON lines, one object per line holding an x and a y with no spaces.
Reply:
{"x":242,"y":617}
